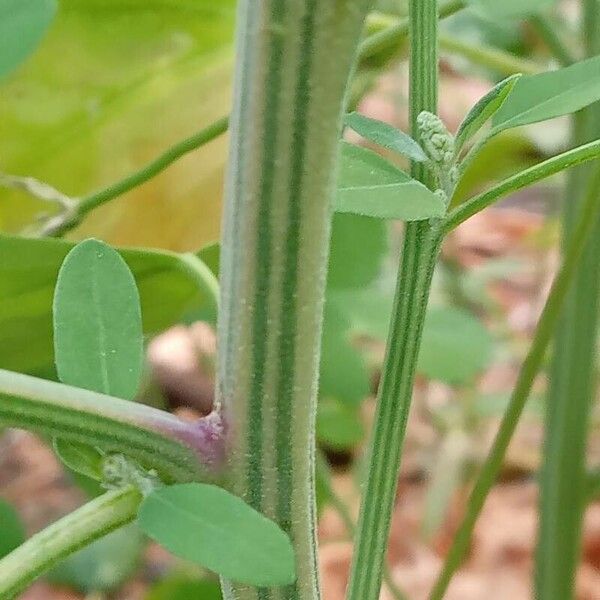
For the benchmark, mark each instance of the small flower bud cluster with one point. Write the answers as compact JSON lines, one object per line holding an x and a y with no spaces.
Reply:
{"x":118,"y":472}
{"x":437,"y":141}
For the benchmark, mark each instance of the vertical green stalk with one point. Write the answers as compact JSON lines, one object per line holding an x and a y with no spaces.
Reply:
{"x":294,"y":60}
{"x":419,"y":253}
{"x":572,"y":379}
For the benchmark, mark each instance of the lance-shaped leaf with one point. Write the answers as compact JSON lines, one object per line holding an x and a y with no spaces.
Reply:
{"x":207,"y":525}
{"x":22,"y":25}
{"x":98,"y":342}
{"x":548,"y":95}
{"x":386,"y":136}
{"x":483,"y":110}
{"x":371,"y":186}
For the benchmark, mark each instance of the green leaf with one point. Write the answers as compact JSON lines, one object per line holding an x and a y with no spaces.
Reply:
{"x":483,"y":110}
{"x":548,"y":95}
{"x":371,"y":186}
{"x":386,"y":136}
{"x":338,"y":425}
{"x":80,"y":458}
{"x":22,"y":25}
{"x":510,"y":8}
{"x":209,"y":526}
{"x":358,"y":248}
{"x":81,"y":132}
{"x":180,"y":587}
{"x":28,"y":271}
{"x":12,"y":530}
{"x":103,"y":565}
{"x":343,"y":374}
{"x":98,"y":341}
{"x":455,"y":346}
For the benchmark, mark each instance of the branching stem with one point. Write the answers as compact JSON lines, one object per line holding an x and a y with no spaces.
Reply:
{"x":529,"y":370}
{"x":420,"y":250}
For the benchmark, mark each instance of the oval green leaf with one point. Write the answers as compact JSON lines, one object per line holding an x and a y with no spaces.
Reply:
{"x":371,"y":186}
{"x":12,"y":530}
{"x":209,"y":526}
{"x":80,"y":458}
{"x":455,"y":346}
{"x":169,"y":286}
{"x":483,"y":110}
{"x":22,"y":25}
{"x":548,"y":95}
{"x":386,"y":136}
{"x":98,"y":342}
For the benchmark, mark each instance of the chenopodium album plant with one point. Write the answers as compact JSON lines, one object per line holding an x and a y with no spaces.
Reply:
{"x":234,"y":491}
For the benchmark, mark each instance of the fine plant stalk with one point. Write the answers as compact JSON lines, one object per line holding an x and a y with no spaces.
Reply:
{"x":392,"y":37}
{"x":563,"y":482}
{"x":340,"y":507}
{"x":63,"y":223}
{"x":497,"y":60}
{"x":529,"y":370}
{"x":294,"y":62}
{"x":179,"y":451}
{"x":534,"y":174}
{"x":420,"y":249}
{"x":74,"y":531}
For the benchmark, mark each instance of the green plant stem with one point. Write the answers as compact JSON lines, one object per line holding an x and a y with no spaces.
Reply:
{"x":529,"y":370}
{"x":179,"y":451}
{"x":547,"y":31}
{"x":393,"y":36}
{"x":78,"y":529}
{"x":324,"y":476}
{"x":543,"y":170}
{"x":496,"y":60}
{"x":419,"y":254}
{"x":294,"y":62}
{"x":64,"y":223}
{"x":573,"y":376}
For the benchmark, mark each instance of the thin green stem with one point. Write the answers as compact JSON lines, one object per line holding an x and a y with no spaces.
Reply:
{"x":294,"y":63}
{"x":547,"y":30}
{"x":500,"y":61}
{"x":420,"y":250}
{"x":324,"y":476}
{"x":64,"y":223}
{"x":393,"y":36}
{"x":179,"y":451}
{"x":573,"y":374}
{"x":71,"y":533}
{"x":523,"y":179}
{"x":529,"y":370}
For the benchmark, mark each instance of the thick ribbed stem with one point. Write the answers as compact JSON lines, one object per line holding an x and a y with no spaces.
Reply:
{"x":572,"y":379}
{"x":294,"y":61}
{"x":419,"y":253}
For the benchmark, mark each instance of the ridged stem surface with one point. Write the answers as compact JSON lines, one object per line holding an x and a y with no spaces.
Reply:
{"x":71,"y":533}
{"x":419,"y":253}
{"x":294,"y":61}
